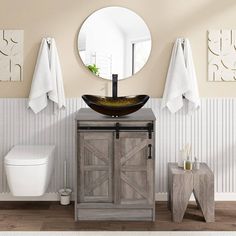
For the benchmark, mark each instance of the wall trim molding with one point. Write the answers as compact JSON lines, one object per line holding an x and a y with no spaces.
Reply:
{"x":45,"y":197}
{"x":55,"y":197}
{"x":218,"y":197}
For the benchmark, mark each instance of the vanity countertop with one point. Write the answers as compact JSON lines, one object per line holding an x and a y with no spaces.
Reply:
{"x":87,"y":114}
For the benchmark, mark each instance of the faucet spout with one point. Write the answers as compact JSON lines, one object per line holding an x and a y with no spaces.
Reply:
{"x":114,"y":85}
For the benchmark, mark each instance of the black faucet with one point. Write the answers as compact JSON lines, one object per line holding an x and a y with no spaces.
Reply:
{"x":114,"y":85}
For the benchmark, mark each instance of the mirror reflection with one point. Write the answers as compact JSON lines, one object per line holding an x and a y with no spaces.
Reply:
{"x":114,"y":40}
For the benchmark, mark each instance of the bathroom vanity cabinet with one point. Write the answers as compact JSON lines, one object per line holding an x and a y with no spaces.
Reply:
{"x":115,"y":166}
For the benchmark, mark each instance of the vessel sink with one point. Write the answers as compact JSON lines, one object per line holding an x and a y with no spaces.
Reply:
{"x":115,"y":106}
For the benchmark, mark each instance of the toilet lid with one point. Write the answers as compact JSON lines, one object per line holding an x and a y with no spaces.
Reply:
{"x":29,"y":155}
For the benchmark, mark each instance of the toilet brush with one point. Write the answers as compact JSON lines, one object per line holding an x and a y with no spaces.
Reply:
{"x":65,"y":175}
{"x":65,"y":192}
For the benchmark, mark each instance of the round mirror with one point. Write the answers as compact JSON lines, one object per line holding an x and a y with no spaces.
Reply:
{"x":114,"y":40}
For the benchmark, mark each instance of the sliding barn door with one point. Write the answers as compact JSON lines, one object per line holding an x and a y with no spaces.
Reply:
{"x":95,"y":166}
{"x":134,"y":169}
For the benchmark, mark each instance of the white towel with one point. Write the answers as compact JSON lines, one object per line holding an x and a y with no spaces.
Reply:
{"x":47,"y":79}
{"x":181,"y":81}
{"x":41,"y":83}
{"x":56,"y":95}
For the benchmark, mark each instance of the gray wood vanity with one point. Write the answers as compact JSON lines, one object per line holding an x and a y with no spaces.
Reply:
{"x":115,"y":166}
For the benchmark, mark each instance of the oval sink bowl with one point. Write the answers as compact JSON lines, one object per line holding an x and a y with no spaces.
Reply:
{"x":119,"y":106}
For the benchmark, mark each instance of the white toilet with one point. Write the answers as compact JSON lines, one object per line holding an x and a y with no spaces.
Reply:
{"x":29,"y":169}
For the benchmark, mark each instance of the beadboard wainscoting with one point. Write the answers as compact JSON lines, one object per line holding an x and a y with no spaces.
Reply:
{"x":211,"y":131}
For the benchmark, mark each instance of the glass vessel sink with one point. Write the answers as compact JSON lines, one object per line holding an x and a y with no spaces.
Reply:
{"x":115,"y":106}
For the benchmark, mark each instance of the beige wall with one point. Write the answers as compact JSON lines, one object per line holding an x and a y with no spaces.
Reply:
{"x":167,"y":19}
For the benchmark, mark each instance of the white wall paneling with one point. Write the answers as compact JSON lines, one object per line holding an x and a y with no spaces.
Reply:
{"x":211,"y":131}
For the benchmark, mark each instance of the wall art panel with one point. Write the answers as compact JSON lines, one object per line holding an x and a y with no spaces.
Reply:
{"x":11,"y":55}
{"x":222,"y":55}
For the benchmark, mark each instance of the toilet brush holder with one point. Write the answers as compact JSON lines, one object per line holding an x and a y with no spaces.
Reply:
{"x":65,"y":195}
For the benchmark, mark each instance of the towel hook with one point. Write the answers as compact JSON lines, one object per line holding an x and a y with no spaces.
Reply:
{"x":49,"y":40}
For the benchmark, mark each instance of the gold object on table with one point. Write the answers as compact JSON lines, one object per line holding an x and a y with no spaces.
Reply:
{"x":188,"y":165}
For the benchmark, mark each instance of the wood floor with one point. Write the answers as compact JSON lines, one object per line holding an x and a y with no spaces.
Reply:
{"x":50,"y":216}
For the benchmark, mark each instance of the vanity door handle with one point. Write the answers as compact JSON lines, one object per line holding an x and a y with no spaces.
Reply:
{"x":150,"y":151}
{"x":117,"y":130}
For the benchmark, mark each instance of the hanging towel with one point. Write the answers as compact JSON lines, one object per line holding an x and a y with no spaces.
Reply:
{"x":57,"y":93}
{"x":181,"y":81}
{"x":47,"y":80}
{"x":41,"y":83}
